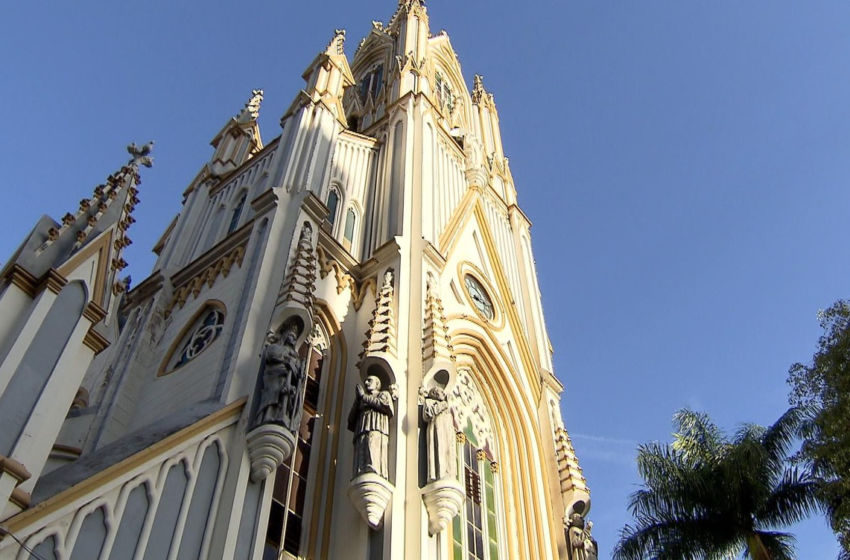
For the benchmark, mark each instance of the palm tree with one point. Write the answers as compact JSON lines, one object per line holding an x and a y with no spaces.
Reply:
{"x":708,"y":497}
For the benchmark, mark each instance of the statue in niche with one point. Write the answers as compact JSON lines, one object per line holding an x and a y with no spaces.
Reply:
{"x":369,"y":419}
{"x":582,"y":544}
{"x":442,"y":449}
{"x":591,"y":548}
{"x":283,"y":380}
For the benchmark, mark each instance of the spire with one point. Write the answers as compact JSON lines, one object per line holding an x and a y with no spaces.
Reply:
{"x":93,"y":237}
{"x":327,"y":76}
{"x":239,"y":139}
{"x":480,"y":96}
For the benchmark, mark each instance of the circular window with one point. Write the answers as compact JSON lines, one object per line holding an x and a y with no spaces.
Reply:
{"x":480,"y":298}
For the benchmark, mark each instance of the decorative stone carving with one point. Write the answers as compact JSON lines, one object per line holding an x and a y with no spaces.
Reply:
{"x":574,"y":488}
{"x":337,"y":44}
{"x":381,"y":337}
{"x":278,"y":418}
{"x":443,"y":500}
{"x":369,"y":419}
{"x":251,"y":111}
{"x":140,"y":155}
{"x":295,"y":298}
{"x":269,"y":445}
{"x":470,"y":411}
{"x":371,"y":494}
{"x":436,"y":348}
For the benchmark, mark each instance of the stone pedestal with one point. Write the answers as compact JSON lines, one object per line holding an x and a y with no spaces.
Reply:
{"x":371,"y":494}
{"x":443,"y":500}
{"x":269,"y":445}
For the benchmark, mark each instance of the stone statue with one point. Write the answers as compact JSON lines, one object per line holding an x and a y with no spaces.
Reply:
{"x":575,"y":535}
{"x":442,"y":449}
{"x":283,"y":378}
{"x":591,"y":548}
{"x":369,"y":419}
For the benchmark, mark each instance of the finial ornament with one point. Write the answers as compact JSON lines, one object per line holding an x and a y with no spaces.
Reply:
{"x":140,"y":156}
{"x":337,"y":44}
{"x":252,"y":108}
{"x":477,"y":88}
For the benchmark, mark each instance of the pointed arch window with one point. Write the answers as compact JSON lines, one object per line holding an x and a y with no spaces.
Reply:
{"x":333,"y":203}
{"x":370,"y":84}
{"x":443,"y":91}
{"x":348,"y":232}
{"x":237,"y":213}
{"x":200,"y":336}
{"x":476,"y":529}
{"x":475,"y":532}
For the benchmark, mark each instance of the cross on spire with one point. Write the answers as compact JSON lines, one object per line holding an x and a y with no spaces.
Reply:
{"x":140,"y":156}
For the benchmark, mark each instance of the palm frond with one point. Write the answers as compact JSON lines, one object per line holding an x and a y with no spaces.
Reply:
{"x":678,"y":539}
{"x":779,"y":437}
{"x":697,"y":437}
{"x":795,"y":498}
{"x":779,"y":546}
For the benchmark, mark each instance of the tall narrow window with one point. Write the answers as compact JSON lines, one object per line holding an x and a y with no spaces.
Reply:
{"x":237,"y":213}
{"x":443,"y":91}
{"x":333,"y":202}
{"x":348,"y":234}
{"x":370,"y":84}
{"x":286,"y":518}
{"x":475,"y":530}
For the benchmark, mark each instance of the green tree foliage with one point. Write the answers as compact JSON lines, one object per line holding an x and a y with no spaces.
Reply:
{"x":823,"y":388}
{"x":706,"y":496}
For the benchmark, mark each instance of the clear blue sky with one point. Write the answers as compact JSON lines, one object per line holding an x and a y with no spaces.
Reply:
{"x":685,"y":165}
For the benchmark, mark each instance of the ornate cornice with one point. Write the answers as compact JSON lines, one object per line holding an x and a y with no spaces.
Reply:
{"x":208,"y":276}
{"x":328,"y":263}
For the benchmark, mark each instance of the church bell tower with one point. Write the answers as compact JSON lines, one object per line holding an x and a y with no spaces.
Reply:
{"x":341,"y":352}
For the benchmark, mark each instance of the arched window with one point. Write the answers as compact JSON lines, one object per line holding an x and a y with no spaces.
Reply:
{"x":443,"y":91}
{"x":370,"y":85}
{"x":237,"y":213}
{"x":348,"y":233}
{"x":333,"y":202}
{"x":286,"y":517}
{"x":475,"y":530}
{"x":204,"y":331}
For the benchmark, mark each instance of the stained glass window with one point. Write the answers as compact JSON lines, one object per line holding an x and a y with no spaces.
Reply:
{"x":202,"y":336}
{"x":370,"y":84}
{"x":475,"y":530}
{"x":443,"y":90}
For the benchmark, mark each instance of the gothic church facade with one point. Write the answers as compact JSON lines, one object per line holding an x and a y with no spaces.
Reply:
{"x":340,"y":353}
